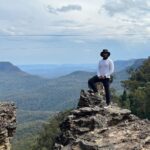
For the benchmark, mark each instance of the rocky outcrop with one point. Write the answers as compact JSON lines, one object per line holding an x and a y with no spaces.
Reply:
{"x":7,"y":124}
{"x":93,"y":127}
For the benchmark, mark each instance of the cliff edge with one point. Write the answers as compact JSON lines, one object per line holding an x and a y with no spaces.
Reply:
{"x":93,"y":127}
{"x":7,"y":124}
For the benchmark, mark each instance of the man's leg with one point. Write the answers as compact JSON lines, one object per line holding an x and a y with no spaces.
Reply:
{"x":92,"y":83}
{"x":107,"y":91}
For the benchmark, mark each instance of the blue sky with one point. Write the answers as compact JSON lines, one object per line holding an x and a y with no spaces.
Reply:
{"x":68,"y":31}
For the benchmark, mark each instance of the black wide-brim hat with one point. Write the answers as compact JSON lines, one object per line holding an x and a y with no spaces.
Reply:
{"x":105,"y":51}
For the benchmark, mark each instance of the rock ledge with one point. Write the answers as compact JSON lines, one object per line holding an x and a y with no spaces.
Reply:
{"x":7,"y":124}
{"x":93,"y":127}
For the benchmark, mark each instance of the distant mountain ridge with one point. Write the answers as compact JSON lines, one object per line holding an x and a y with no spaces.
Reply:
{"x":55,"y":70}
{"x":31,"y":92}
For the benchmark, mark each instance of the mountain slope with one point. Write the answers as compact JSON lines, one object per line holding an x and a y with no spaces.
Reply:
{"x":35,"y":93}
{"x":9,"y":67}
{"x":31,"y":92}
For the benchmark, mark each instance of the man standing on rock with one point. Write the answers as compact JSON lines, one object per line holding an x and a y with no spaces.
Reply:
{"x":104,"y":71}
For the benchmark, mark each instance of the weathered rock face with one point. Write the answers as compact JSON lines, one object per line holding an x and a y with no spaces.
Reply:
{"x":93,"y":127}
{"x":7,"y":124}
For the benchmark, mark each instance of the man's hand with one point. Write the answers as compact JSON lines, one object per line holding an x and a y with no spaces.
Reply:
{"x":102,"y":77}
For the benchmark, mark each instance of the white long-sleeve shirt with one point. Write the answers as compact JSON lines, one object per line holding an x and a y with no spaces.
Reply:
{"x":105,"y":68}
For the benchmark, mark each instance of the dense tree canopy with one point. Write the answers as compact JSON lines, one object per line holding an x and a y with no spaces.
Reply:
{"x":138,"y":87}
{"x":47,"y":135}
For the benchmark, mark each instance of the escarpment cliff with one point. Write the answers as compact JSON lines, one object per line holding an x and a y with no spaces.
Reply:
{"x":7,"y":124}
{"x":93,"y":127}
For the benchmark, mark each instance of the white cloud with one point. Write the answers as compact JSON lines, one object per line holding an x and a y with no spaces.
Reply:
{"x":130,"y":7}
{"x":96,"y":18}
{"x":67,"y":8}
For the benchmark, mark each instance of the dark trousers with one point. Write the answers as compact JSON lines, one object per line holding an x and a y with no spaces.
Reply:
{"x":92,"y":85}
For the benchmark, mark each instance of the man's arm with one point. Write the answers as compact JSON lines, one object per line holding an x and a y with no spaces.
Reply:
{"x":111,"y":67}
